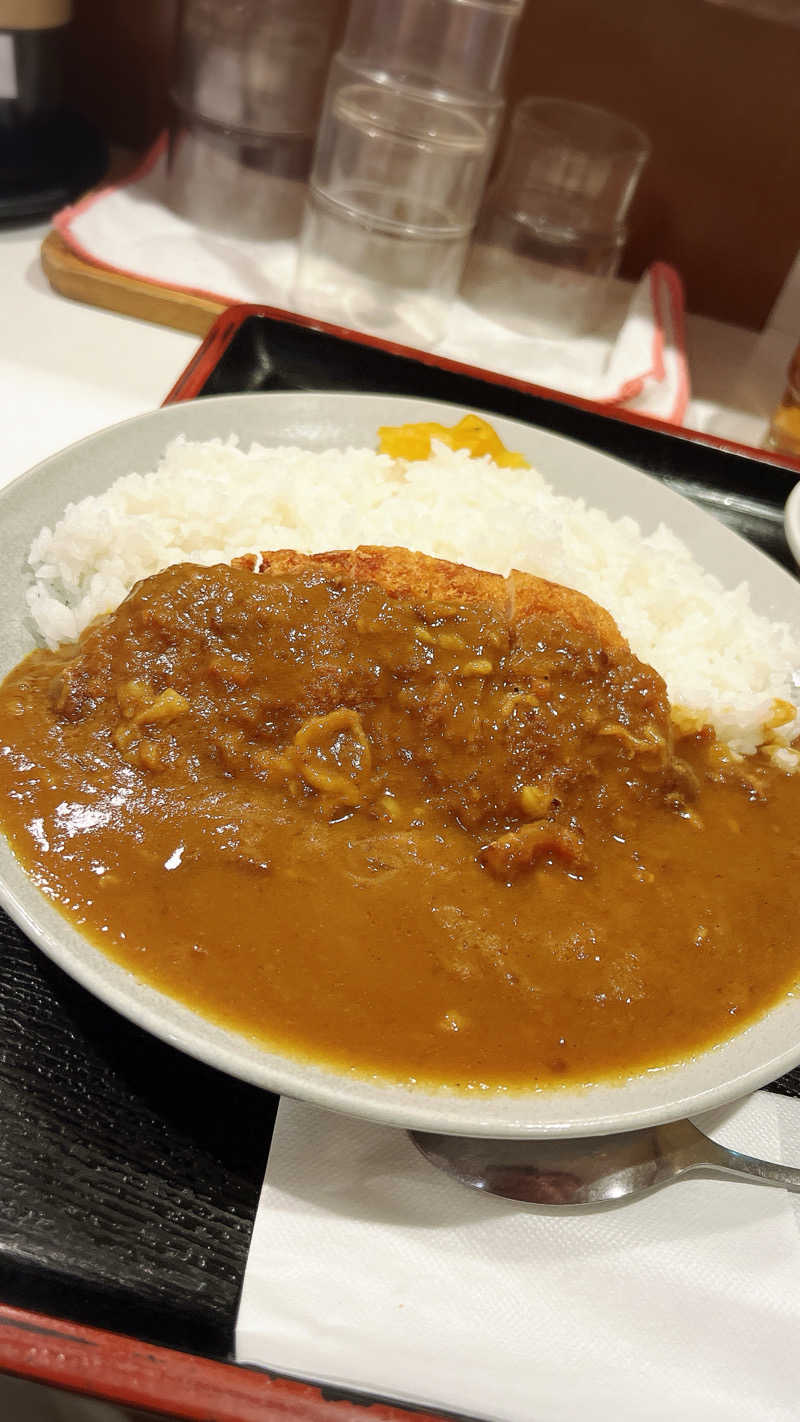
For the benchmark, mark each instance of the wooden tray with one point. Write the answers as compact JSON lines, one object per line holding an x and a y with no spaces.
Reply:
{"x":81,"y":280}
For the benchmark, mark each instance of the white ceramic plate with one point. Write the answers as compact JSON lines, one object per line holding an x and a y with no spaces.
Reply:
{"x":791,"y":522}
{"x":758,"y":1055}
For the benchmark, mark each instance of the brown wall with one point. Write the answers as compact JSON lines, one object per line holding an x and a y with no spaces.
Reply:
{"x":118,"y":65}
{"x":718,"y":92}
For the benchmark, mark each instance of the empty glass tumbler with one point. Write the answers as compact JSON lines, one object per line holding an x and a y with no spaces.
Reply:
{"x":247,"y":88}
{"x":552,"y":228}
{"x":449,"y":48}
{"x":409,"y":127}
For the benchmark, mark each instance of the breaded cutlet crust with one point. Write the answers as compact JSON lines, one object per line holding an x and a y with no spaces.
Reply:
{"x":416,"y":577}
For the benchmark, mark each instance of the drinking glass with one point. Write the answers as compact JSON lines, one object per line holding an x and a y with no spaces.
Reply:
{"x":248,"y":81}
{"x":407,"y":135}
{"x":552,"y":229}
{"x":455,"y":48}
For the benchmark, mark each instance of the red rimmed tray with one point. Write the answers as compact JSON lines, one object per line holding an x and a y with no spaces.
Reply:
{"x":217,"y":369}
{"x":257,"y":348}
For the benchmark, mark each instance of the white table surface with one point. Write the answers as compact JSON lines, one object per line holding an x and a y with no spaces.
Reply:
{"x":67,"y":369}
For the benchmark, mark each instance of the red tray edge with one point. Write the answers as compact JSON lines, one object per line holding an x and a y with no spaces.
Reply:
{"x":128,"y":1373}
{"x":221,"y":333}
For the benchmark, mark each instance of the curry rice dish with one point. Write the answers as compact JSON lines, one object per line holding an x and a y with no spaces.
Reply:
{"x":403,"y":818}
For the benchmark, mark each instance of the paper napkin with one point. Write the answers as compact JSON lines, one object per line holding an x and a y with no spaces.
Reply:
{"x":369,"y":1268}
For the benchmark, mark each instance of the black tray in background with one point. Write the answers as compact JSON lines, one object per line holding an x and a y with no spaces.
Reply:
{"x":746,"y":493}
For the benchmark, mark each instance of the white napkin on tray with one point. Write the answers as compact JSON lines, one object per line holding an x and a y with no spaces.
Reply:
{"x":636,"y":360}
{"x":372,"y":1270}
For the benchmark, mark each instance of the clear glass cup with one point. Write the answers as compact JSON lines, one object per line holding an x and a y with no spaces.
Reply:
{"x":392,"y":279}
{"x":247,"y":88}
{"x":257,"y":66}
{"x":400,"y":156}
{"x":552,"y":228}
{"x":395,"y":187}
{"x":408,"y":132}
{"x":445,"y":47}
{"x":238,"y":184}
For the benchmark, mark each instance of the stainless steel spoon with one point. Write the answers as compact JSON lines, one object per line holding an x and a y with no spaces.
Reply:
{"x":594,"y":1170}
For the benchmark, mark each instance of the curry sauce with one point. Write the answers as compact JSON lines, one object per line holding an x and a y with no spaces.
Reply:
{"x":402,"y":818}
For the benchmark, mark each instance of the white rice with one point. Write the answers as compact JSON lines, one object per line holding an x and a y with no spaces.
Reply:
{"x":208,"y":502}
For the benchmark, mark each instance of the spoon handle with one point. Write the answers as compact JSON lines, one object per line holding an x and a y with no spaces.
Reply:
{"x":746,"y":1167}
